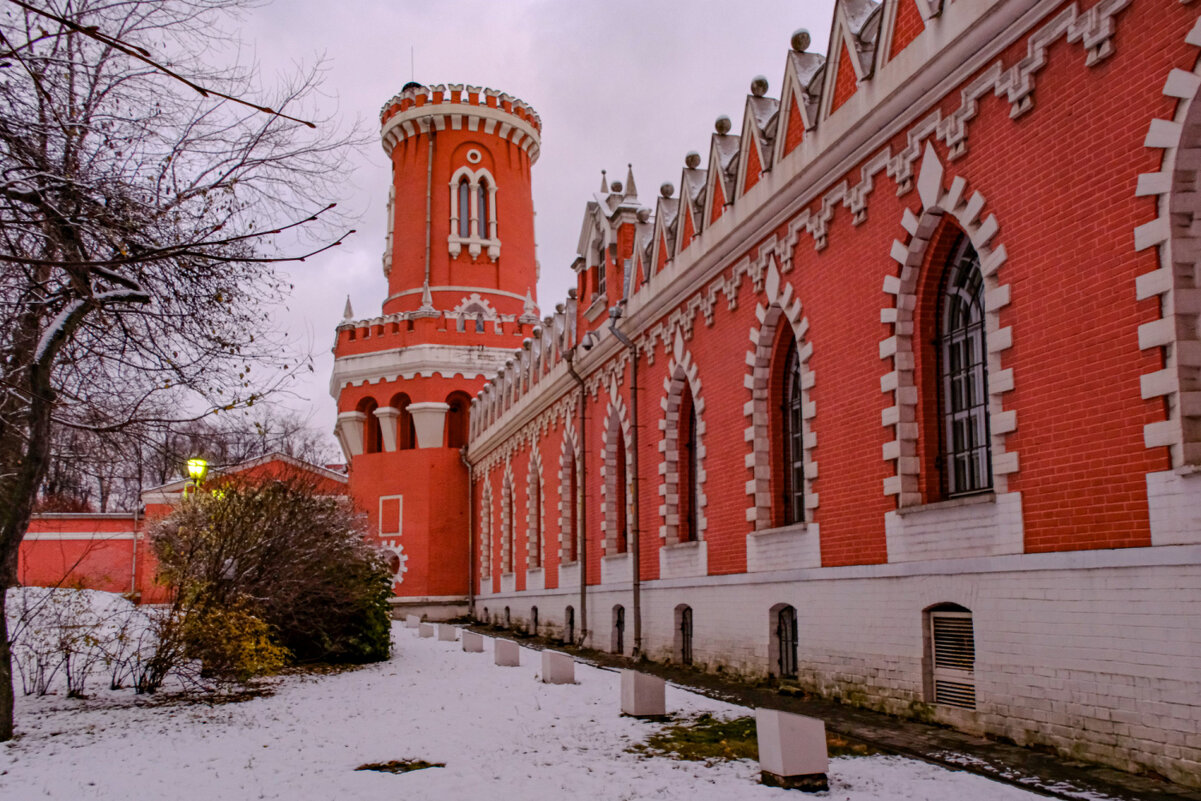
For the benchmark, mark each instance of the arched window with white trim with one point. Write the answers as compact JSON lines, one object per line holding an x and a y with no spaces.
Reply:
{"x":965,"y":452}
{"x":473,"y":222}
{"x":464,"y":221}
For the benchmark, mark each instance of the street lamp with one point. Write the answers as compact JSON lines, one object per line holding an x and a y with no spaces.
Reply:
{"x":197,"y":469}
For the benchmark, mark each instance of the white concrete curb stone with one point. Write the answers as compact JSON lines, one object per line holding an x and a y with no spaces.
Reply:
{"x":473,"y":642}
{"x":642,"y":695}
{"x":507,"y":652}
{"x":557,"y":668}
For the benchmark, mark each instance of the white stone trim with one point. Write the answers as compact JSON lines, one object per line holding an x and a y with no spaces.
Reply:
{"x":682,"y":559}
{"x":568,"y":454}
{"x":616,"y":424}
{"x":680,"y":370}
{"x":535,"y":516}
{"x":901,"y":416}
{"x":486,"y":532}
{"x":420,"y":119}
{"x":1177,"y":283}
{"x":781,"y":304}
{"x":1172,"y":499}
{"x":786,"y":548}
{"x":978,"y":525}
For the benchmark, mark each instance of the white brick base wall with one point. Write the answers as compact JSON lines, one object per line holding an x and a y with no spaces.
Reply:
{"x":1096,"y":653}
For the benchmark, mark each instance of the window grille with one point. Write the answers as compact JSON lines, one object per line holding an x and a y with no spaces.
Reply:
{"x":619,"y":629}
{"x":794,"y":439}
{"x":686,"y":635}
{"x":569,"y":625}
{"x":953,"y":658}
{"x":786,"y":638}
{"x":534,"y":620}
{"x":963,"y":369}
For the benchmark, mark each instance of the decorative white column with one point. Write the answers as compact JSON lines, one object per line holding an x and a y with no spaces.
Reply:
{"x":429,"y":419}
{"x":387,"y":425}
{"x":350,"y":431}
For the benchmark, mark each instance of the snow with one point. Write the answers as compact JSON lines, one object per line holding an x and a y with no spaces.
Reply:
{"x":501,"y":732}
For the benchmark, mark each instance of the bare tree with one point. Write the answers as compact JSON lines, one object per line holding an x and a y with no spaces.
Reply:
{"x":139,"y":211}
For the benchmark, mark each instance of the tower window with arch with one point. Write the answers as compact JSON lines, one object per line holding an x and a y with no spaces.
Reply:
{"x":965,"y":453}
{"x":620,"y":506}
{"x":373,"y":438}
{"x":406,"y":431}
{"x":473,"y":221}
{"x":457,"y":419}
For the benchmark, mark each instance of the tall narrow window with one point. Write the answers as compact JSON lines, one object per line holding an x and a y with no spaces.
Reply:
{"x":482,"y":206}
{"x":373,"y":437}
{"x":457,"y":419}
{"x":794,"y":439}
{"x":619,"y":500}
{"x":569,"y":625}
{"x":406,"y":431}
{"x":619,"y":629}
{"x":601,"y":272}
{"x":507,"y":530}
{"x":464,"y":209}
{"x":573,"y":536}
{"x":535,"y":520}
{"x":963,"y":374}
{"x":688,"y":469}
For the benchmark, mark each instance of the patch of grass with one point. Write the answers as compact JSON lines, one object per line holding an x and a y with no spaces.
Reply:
{"x":709,"y":739}
{"x":400,"y":765}
{"x":703,"y":739}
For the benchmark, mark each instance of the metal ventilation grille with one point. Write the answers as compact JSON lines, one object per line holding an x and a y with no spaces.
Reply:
{"x":954,"y":658}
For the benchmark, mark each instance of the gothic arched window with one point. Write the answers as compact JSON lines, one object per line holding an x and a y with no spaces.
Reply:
{"x":794,"y":438}
{"x":963,"y":375}
{"x":464,"y":208}
{"x":482,"y":209}
{"x":688,"y":469}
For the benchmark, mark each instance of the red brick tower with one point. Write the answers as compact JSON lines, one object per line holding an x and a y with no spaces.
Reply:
{"x":459,"y":259}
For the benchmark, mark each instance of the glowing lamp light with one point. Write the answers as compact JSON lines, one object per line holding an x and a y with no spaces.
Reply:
{"x":197,"y":469}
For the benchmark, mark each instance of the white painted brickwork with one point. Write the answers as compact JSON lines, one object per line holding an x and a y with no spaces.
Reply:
{"x":1073,"y":650}
{"x":682,"y":559}
{"x":985,"y":525}
{"x":786,"y":548}
{"x":1174,"y":497}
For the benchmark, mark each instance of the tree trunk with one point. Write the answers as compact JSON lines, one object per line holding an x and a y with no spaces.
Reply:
{"x":6,"y":674}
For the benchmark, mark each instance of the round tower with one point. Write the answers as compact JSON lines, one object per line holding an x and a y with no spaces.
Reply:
{"x":461,"y":205}
{"x":459,"y":258}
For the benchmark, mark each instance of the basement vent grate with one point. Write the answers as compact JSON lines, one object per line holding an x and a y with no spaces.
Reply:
{"x":954,"y":659}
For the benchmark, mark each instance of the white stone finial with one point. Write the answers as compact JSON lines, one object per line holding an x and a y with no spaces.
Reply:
{"x":631,"y":190}
{"x":348,"y":312}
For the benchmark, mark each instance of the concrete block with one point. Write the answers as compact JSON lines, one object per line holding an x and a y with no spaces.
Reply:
{"x":557,"y":668}
{"x":473,"y":642}
{"x":425,"y":630}
{"x":412,"y":621}
{"x":506,"y":652}
{"x":642,"y":695}
{"x":447,"y":632}
{"x":792,"y":750}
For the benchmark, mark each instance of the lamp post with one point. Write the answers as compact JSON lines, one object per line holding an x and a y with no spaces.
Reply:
{"x":197,"y":469}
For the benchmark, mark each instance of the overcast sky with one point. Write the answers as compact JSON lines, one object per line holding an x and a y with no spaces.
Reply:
{"x":615,"y":82}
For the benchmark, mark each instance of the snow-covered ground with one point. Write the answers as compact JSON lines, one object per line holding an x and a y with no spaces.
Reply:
{"x":501,"y":732}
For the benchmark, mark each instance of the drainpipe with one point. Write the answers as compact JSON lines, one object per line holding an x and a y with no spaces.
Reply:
{"x":615,"y":315}
{"x":470,"y":535}
{"x":582,"y":516}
